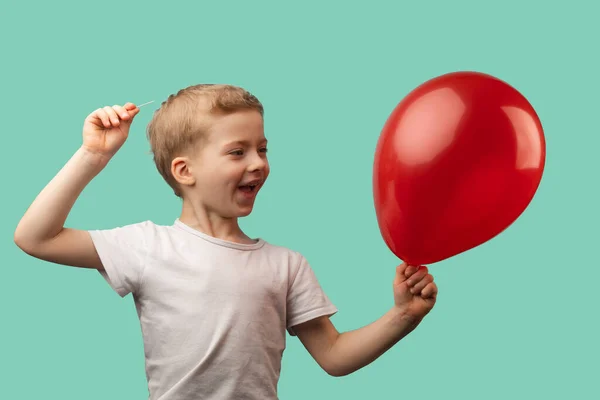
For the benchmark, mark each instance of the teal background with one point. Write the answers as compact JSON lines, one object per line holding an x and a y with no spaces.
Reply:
{"x":516,"y":318}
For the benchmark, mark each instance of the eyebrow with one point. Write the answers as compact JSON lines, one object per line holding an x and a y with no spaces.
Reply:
{"x":244,"y":142}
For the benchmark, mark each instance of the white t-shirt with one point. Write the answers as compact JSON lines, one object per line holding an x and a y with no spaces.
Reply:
{"x":213,"y":313}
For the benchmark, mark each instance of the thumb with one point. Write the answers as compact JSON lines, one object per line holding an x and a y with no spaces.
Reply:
{"x":400,"y":275}
{"x":132,"y":109}
{"x":129,"y":106}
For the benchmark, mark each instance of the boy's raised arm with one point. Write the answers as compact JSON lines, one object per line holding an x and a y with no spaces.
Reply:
{"x":41,"y":232}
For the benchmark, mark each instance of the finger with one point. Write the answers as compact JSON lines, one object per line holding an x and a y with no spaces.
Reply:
{"x":400,"y":277}
{"x":132,"y":109}
{"x":99,"y":117}
{"x":121,"y":111}
{"x":411,"y":269}
{"x":417,"y":287}
{"x":429,"y":291}
{"x":417,"y":276}
{"x":114,"y":118}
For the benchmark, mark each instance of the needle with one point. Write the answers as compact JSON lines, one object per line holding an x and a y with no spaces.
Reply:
{"x":142,"y":105}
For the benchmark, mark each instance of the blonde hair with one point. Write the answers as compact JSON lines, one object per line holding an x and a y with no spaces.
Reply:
{"x":180,"y":123}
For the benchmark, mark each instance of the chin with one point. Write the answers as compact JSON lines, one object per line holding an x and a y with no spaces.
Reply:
{"x":239,"y":211}
{"x":244,"y":212}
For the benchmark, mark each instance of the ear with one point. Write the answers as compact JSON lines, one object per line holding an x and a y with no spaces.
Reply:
{"x":182,"y":171}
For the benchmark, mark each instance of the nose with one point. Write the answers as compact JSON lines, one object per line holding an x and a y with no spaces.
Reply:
{"x":258,"y":162}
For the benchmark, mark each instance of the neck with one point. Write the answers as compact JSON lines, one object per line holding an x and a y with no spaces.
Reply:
{"x":197,"y":216}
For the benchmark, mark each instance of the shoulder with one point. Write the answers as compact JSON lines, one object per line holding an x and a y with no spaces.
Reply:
{"x":280,"y":249}
{"x":293,"y":258}
{"x":132,"y":226}
{"x":145,"y":232}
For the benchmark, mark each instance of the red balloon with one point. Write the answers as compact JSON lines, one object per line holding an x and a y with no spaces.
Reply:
{"x":458,"y":161}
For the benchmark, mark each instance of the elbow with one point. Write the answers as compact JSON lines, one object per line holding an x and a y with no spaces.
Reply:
{"x":336,"y":371}
{"x":19,"y":240}
{"x":23,"y":245}
{"x":19,"y":237}
{"x":23,"y":242}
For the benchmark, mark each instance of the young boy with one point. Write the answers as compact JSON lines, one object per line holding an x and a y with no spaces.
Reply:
{"x":214,"y":304}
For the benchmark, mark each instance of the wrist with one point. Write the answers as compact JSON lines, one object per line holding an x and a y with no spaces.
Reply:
{"x":402,"y":319}
{"x":96,"y":161}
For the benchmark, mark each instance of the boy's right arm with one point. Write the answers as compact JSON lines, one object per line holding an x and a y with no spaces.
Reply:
{"x":41,"y":232}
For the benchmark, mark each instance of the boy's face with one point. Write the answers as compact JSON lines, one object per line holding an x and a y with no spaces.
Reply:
{"x":231,"y":164}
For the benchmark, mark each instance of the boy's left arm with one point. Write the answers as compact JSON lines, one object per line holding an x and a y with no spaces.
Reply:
{"x":343,"y":353}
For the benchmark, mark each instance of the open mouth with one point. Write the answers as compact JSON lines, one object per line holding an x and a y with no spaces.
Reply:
{"x":250,"y":188}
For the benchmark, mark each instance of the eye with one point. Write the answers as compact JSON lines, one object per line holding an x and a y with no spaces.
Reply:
{"x":264,"y":150}
{"x":237,"y":152}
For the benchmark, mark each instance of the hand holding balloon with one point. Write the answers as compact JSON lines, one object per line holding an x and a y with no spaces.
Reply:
{"x":415,"y":292}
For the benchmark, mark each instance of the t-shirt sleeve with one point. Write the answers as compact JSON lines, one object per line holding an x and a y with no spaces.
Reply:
{"x":306,"y":298}
{"x":123,"y":252}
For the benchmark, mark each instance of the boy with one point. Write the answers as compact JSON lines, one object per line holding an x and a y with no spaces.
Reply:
{"x":214,"y":304}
